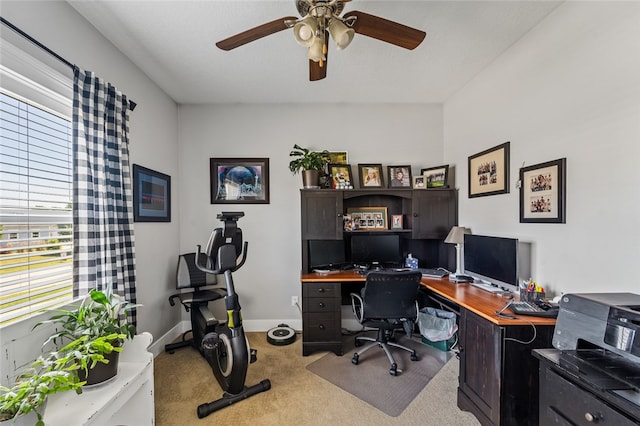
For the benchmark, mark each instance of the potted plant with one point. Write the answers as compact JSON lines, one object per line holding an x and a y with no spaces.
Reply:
{"x":309,"y":163}
{"x":48,"y":374}
{"x":100,"y":322}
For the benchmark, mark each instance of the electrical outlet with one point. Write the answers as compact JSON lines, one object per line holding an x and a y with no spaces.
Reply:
{"x":294,"y":300}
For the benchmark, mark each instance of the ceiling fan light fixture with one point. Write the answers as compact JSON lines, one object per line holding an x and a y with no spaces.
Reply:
{"x":340,"y":33}
{"x":305,"y":30}
{"x":316,"y":50}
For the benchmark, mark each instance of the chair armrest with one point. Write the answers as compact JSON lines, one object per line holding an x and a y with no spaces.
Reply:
{"x":357,"y":305}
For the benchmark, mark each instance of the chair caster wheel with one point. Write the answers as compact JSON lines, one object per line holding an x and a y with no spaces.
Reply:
{"x":355,"y":359}
{"x":414,"y":357}
{"x":393,"y":372}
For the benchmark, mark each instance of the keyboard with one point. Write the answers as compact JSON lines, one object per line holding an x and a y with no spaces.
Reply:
{"x":433,"y":273}
{"x":537,"y":309}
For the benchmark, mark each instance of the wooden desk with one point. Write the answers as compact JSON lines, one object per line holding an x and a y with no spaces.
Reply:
{"x":498,"y":379}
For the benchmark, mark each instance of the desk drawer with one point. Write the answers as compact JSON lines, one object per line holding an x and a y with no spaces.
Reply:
{"x":321,"y":304}
{"x":320,"y":290}
{"x":562,"y":402}
{"x":320,"y":327}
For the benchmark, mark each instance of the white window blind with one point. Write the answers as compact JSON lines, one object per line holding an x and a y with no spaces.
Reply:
{"x":36,"y":206}
{"x":36,"y":234}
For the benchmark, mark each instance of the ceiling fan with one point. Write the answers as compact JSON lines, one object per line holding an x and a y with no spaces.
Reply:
{"x":321,"y":19}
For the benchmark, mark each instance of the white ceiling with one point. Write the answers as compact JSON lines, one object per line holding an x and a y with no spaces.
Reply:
{"x":173,"y":42}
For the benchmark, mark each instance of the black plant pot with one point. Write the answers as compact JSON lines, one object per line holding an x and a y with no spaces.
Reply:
{"x":101,"y":372}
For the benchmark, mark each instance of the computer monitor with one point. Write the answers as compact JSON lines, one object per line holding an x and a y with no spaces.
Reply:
{"x":370,"y":249}
{"x":492,"y":259}
{"x":326,"y":253}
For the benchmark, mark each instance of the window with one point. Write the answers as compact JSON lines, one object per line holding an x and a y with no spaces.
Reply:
{"x":36,"y":226}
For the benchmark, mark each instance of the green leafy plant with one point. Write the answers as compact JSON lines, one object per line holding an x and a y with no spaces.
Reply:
{"x":95,"y":328}
{"x":306,"y":159}
{"x":101,"y":314}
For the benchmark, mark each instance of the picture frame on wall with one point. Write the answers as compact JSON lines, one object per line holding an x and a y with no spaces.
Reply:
{"x":543,"y":192}
{"x":341,"y":176}
{"x":368,"y":218}
{"x":489,"y":171}
{"x":399,"y":176}
{"x":436,"y":177}
{"x":370,"y":176}
{"x":239,"y":180}
{"x":151,"y":195}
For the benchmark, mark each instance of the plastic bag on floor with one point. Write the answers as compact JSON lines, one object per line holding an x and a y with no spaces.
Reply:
{"x":437,"y":324}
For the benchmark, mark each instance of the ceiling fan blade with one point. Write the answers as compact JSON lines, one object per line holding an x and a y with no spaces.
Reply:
{"x":385,"y":30}
{"x":317,"y":70}
{"x":254,"y":34}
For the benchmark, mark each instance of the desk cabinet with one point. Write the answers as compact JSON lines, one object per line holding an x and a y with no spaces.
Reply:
{"x":321,"y":319}
{"x":428,"y":217}
{"x":498,"y":379}
{"x":567,"y":399}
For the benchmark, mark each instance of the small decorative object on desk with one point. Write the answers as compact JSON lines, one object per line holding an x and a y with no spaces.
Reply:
{"x":411,"y":262}
{"x":530,"y":291}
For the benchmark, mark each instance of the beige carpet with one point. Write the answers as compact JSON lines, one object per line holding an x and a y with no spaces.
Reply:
{"x":183,"y":381}
{"x":370,"y":379}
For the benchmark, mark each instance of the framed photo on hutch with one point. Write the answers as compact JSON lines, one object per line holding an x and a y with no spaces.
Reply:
{"x":239,"y":180}
{"x":489,"y":172}
{"x":399,"y":176}
{"x":151,"y":195}
{"x":340,"y":176}
{"x":370,"y":175}
{"x":543,"y":192}
{"x":436,"y":177}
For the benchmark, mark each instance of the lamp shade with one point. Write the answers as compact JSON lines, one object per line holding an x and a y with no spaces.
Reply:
{"x":341,"y":34}
{"x":316,"y":53}
{"x":305,"y":31}
{"x":456,"y":235}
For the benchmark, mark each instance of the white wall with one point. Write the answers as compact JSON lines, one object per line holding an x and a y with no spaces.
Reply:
{"x":153,"y":136}
{"x":570,"y":88}
{"x":387,"y":134}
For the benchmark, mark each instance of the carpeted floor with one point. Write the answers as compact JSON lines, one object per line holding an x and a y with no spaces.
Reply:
{"x":184,"y":380}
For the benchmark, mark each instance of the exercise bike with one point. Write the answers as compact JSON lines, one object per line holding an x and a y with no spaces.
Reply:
{"x":226,"y":349}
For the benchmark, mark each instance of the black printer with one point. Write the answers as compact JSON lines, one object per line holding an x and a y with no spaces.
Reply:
{"x":593,"y":373}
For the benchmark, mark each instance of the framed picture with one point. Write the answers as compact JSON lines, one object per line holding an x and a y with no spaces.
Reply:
{"x":338,"y":157}
{"x":543,"y":192}
{"x":419,"y":182}
{"x":436,"y":177}
{"x":239,"y":180}
{"x":399,"y":176}
{"x":370,"y":175}
{"x":340,"y":176}
{"x":368,"y":218}
{"x":489,"y":172}
{"x":151,"y":195}
{"x":396,"y":221}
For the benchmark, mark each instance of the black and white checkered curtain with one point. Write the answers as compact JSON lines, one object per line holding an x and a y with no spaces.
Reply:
{"x":103,"y":240}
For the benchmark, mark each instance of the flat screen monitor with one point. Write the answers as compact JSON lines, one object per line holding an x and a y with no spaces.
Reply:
{"x":376,"y":249}
{"x":492,"y":259}
{"x":326,"y":253}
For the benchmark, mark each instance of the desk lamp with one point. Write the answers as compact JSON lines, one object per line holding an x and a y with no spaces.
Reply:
{"x":456,"y":236}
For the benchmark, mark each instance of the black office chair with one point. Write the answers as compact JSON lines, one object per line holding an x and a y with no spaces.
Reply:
{"x":388,"y":301}
{"x":196,"y":302}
